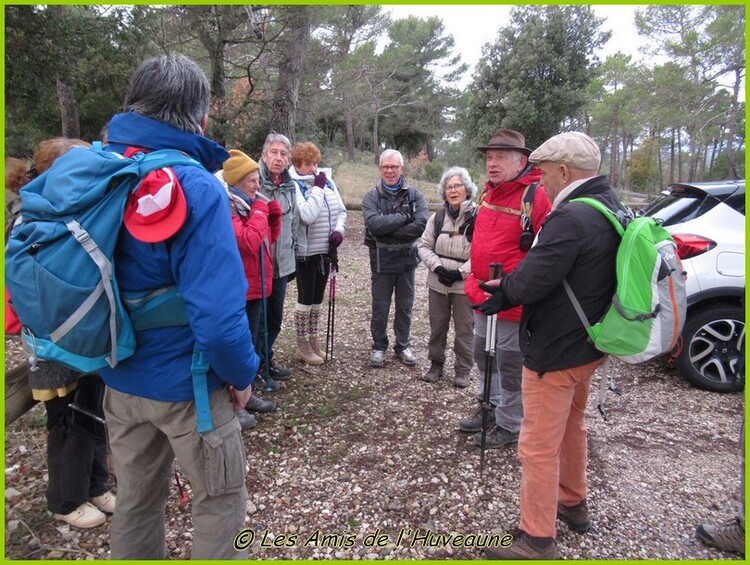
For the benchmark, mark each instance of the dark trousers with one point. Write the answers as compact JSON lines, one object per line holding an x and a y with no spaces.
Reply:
{"x":384,"y":286}
{"x":275,"y":315}
{"x":76,"y":460}
{"x":312,"y":276}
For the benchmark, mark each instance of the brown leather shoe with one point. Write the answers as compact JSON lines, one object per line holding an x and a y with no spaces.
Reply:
{"x":576,"y":517}
{"x":524,"y":546}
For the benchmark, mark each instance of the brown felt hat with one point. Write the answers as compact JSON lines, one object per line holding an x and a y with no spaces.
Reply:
{"x":507,"y":139}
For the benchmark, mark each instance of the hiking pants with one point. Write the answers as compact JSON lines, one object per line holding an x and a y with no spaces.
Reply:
{"x":441,"y":308}
{"x":145,"y":437}
{"x":383,"y":287}
{"x":275,"y":311}
{"x":552,"y":444}
{"x":76,"y":463}
{"x":505,"y":389}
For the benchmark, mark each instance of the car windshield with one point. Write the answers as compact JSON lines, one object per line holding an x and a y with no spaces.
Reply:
{"x":677,"y":207}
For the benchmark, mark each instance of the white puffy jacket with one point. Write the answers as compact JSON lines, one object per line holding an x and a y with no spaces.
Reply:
{"x":321,"y":212}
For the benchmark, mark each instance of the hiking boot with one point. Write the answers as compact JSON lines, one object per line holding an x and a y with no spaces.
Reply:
{"x":315,"y":346}
{"x":257,"y":404}
{"x":729,"y":536}
{"x":279,"y":373}
{"x":473,"y":423}
{"x":576,"y":517}
{"x":305,"y":353}
{"x":85,"y":516}
{"x":247,"y":420}
{"x":104,"y":502}
{"x":496,"y":438}
{"x":406,"y":357}
{"x":524,"y":546}
{"x":377,"y":358}
{"x":266,"y":385}
{"x":434,"y":374}
{"x":461,"y":380}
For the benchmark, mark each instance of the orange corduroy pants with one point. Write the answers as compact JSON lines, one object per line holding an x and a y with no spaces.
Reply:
{"x":552,"y":444}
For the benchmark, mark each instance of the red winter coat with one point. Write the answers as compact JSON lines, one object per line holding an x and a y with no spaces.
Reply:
{"x":497,"y":233}
{"x":260,"y":227}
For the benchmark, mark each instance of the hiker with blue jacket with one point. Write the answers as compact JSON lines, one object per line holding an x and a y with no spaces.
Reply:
{"x":577,"y":243}
{"x":321,"y":230}
{"x":277,"y":184}
{"x":178,"y":234}
{"x":395,"y":216}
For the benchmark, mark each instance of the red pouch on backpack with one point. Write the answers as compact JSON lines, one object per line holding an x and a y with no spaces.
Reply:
{"x":12,"y":323}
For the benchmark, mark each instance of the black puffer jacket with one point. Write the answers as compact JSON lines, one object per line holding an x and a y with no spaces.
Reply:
{"x":394,"y":222}
{"x":576,"y":242}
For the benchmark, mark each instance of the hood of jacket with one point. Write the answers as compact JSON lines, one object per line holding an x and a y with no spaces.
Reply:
{"x":133,"y":129}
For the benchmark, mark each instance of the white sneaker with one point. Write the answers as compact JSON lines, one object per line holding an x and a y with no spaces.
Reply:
{"x":85,"y":516}
{"x":407,"y":357}
{"x":104,"y":502}
{"x":377,"y":358}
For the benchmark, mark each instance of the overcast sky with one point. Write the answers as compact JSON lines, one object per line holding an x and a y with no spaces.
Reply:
{"x":474,"y":25}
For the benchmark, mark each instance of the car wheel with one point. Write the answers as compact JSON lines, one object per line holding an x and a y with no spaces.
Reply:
{"x":712,"y":338}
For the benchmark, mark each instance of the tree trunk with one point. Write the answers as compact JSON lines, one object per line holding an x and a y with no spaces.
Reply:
{"x":70,"y":125}
{"x":293,"y":57}
{"x":349,"y":121}
{"x":375,"y":140}
{"x":733,"y":113}
{"x":671,"y":156}
{"x":613,"y":160}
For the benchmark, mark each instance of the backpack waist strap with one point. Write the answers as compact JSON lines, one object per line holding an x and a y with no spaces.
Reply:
{"x":158,"y":308}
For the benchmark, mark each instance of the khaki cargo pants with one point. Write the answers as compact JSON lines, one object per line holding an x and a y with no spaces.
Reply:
{"x":145,"y":437}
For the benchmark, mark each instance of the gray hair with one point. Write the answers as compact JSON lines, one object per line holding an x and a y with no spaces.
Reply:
{"x":471,"y":188}
{"x":171,"y":89}
{"x":391,"y":153}
{"x":274,"y":137}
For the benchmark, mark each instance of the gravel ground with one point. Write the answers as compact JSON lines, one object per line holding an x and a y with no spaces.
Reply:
{"x":361,"y":463}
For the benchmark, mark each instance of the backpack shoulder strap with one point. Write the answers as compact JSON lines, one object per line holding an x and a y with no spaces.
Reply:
{"x":609,"y":214}
{"x":527,"y":200}
{"x":439,"y":220}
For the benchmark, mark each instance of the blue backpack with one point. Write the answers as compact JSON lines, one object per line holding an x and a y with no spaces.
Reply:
{"x":59,"y":260}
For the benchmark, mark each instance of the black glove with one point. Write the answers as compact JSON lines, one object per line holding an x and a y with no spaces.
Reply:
{"x":320,"y":180}
{"x":407,"y":213}
{"x":455,"y":275}
{"x":444,"y":276}
{"x":495,"y":303}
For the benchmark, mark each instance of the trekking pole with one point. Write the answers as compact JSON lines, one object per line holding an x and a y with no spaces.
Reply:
{"x":263,"y":302}
{"x":496,"y":271}
{"x":331,"y":302}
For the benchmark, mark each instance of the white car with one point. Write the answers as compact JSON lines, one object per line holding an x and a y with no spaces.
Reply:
{"x":707,"y":220}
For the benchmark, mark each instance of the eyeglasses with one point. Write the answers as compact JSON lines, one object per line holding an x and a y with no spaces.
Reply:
{"x":390,"y":167}
{"x":451,"y":187}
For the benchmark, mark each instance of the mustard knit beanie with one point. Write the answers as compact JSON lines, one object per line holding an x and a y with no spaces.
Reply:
{"x":238,"y":166}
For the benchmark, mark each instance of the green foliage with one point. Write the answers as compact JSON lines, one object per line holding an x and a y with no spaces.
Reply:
{"x":535,"y":74}
{"x":93,"y":50}
{"x":643,"y":170}
{"x":433,"y":171}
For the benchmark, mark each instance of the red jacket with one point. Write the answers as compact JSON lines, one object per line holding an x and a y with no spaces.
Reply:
{"x":497,"y":233}
{"x":259,"y":228}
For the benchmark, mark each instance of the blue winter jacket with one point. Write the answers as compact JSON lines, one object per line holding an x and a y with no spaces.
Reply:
{"x":202,"y":259}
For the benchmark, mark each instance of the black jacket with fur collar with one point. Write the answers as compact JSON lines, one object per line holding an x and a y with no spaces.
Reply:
{"x":576,"y":242}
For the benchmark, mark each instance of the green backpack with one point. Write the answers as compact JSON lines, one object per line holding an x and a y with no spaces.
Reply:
{"x":648,"y":309}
